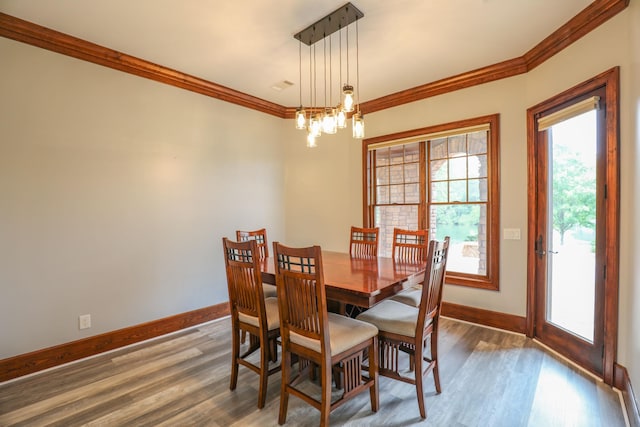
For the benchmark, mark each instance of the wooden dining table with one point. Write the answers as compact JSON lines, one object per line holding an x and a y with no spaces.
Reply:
{"x":359,"y":281}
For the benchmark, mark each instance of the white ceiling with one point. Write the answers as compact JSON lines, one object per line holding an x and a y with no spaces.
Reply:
{"x":248,"y":45}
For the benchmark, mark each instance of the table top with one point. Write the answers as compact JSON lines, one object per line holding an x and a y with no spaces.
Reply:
{"x":360,"y":281}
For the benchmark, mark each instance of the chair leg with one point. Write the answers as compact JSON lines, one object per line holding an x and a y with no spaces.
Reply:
{"x":285,"y":366}
{"x":373,"y":375}
{"x":325,"y":405}
{"x":265,"y":351}
{"x":418,"y":359}
{"x":434,"y":357}
{"x":235,"y":353}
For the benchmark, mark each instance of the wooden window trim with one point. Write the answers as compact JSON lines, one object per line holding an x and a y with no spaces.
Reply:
{"x":491,"y":281}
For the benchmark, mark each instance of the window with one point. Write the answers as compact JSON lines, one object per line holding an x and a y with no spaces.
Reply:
{"x":444,"y":179}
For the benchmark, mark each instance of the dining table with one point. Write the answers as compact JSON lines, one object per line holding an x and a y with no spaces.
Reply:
{"x":363,"y":282}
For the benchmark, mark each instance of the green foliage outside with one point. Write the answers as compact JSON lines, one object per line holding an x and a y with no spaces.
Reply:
{"x":574,"y":198}
{"x":459,"y":222}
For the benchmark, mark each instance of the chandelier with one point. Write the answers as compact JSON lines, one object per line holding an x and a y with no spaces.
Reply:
{"x":325,"y":117}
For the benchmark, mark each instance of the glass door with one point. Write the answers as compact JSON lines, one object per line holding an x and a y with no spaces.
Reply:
{"x":569,"y":253}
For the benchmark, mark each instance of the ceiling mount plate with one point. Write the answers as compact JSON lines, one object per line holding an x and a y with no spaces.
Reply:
{"x":336,"y":20}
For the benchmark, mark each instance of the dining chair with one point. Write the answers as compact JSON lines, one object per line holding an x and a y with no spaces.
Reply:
{"x":410,"y":246}
{"x":319,"y":338}
{"x":260,"y":236}
{"x":250,"y":312}
{"x":406,"y":329}
{"x":364,"y":242}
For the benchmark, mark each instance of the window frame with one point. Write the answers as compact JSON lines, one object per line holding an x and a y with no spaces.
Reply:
{"x":490,"y":280}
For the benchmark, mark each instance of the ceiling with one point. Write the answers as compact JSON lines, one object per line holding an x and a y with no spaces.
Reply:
{"x":248,"y":45}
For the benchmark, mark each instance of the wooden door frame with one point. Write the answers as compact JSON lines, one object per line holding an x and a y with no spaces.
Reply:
{"x":609,"y":79}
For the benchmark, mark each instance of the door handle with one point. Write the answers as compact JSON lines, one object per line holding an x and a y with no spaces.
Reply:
{"x":539,"y":248}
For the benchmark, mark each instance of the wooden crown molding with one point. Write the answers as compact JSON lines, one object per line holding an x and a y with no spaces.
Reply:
{"x":36,"y":35}
{"x":588,"y":19}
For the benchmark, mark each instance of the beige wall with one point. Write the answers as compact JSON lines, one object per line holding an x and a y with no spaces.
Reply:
{"x":115,"y":192}
{"x":608,"y":46}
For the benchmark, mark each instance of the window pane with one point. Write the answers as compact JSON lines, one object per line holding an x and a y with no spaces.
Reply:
{"x":396,"y":174}
{"x":382,"y":175}
{"x":466,"y":226}
{"x":457,"y":145}
{"x":440,"y":192}
{"x":382,"y":195}
{"x":458,"y":168}
{"x":396,"y":193}
{"x":439,"y":170}
{"x":477,"y":142}
{"x":478,"y":166}
{"x":397,"y":154}
{"x":382,"y":157}
{"x":411,"y":172}
{"x":438,"y":148}
{"x":478,"y":190}
{"x":388,"y":217}
{"x":458,"y":191}
{"x":412,"y":152}
{"x":412,"y":193}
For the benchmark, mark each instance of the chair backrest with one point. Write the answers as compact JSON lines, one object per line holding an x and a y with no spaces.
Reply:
{"x":301,"y":295}
{"x":434,"y":277}
{"x":260,"y":236}
{"x":364,"y":242}
{"x":244,"y":279}
{"x":410,"y":245}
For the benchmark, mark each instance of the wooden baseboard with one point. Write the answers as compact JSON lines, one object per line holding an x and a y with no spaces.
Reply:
{"x":622,"y":382}
{"x":38,"y":360}
{"x":508,"y":322}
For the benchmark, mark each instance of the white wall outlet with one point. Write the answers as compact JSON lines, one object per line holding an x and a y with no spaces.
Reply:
{"x":84,"y":321}
{"x":511,"y":234}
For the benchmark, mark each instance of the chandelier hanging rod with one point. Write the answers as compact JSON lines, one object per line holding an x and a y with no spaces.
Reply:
{"x":336,"y":20}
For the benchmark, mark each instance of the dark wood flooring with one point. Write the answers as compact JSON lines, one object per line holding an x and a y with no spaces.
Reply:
{"x":489,"y":378}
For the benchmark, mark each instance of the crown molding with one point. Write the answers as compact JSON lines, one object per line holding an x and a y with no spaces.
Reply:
{"x":36,"y":35}
{"x":588,"y":19}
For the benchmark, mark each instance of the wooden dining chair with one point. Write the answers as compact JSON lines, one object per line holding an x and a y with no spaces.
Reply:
{"x":410,"y":246}
{"x":326,"y":340}
{"x":250,"y":312}
{"x":406,"y":329}
{"x":260,"y":236}
{"x":364,"y":242}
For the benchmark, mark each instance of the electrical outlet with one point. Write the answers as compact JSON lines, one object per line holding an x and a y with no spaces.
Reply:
{"x":84,"y":321}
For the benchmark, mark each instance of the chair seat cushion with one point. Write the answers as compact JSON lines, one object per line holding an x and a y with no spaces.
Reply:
{"x":392,"y":316}
{"x":270,"y":291}
{"x":273,"y":317}
{"x":344,"y":333}
{"x":411,"y":296}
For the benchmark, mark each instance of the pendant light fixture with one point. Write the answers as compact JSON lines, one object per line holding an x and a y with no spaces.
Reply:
{"x":329,"y":118}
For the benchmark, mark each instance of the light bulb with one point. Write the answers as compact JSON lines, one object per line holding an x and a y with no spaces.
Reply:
{"x":347,"y":102}
{"x":311,"y":140}
{"x":301,"y":119}
{"x":358,"y":126}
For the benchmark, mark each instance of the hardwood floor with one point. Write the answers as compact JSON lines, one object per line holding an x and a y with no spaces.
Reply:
{"x":489,"y":378}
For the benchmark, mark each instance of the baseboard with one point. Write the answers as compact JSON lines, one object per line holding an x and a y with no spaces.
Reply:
{"x":508,"y":322}
{"x":38,"y":360}
{"x":622,"y":382}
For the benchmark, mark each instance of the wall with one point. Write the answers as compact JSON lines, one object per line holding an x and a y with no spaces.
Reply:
{"x":115,"y":192}
{"x":608,"y":46}
{"x":629,"y":348}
